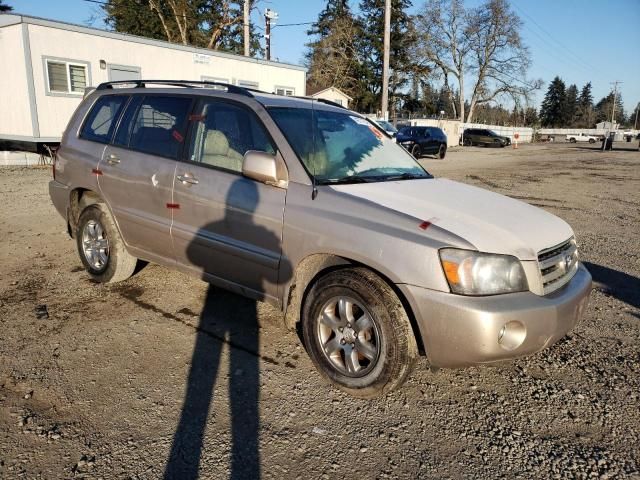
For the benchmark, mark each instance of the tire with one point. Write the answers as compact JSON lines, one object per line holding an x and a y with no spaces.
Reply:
{"x":591,"y":140}
{"x":101,"y":248}
{"x":572,"y":140}
{"x":467,"y":142}
{"x":442,"y":151}
{"x":416,"y":151}
{"x":364,"y":369}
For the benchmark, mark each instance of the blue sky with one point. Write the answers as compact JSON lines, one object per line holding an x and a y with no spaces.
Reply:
{"x":579,"y":40}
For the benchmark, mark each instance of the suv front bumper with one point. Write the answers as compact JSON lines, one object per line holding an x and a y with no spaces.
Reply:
{"x":459,"y":331}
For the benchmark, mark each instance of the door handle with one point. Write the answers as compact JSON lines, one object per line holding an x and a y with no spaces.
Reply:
{"x":187,"y":179}
{"x":113,"y":159}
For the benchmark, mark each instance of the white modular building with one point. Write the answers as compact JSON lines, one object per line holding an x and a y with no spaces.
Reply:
{"x":46,"y":65}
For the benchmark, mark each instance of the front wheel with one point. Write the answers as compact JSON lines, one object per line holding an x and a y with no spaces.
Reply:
{"x":442,"y":151}
{"x":415,"y":151}
{"x":101,"y":248}
{"x":357,"y":333}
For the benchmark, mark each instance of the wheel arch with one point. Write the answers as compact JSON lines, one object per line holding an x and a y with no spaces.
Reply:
{"x":314,"y":266}
{"x":79,"y":198}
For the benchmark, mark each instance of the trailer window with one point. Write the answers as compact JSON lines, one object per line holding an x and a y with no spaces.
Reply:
{"x":66,"y":77}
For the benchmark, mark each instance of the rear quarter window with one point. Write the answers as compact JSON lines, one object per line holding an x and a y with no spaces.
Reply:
{"x":102,"y":118}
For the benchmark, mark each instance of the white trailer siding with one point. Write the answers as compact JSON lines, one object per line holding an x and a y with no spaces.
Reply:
{"x":93,"y":54}
{"x":15,"y":115}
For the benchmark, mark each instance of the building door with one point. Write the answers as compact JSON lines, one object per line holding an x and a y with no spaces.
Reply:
{"x":123,"y":72}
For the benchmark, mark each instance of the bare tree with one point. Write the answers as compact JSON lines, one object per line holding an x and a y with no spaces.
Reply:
{"x":500,"y":59}
{"x":481,"y":45}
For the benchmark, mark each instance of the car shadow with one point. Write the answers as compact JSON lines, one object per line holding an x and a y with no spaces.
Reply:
{"x":234,"y":320}
{"x":618,"y":284}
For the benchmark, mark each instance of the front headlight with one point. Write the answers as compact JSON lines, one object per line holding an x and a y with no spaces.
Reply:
{"x":406,"y":144}
{"x":473,"y":273}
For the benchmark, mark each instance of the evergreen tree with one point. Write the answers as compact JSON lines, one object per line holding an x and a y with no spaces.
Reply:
{"x":334,"y":10}
{"x":553,"y":110}
{"x":332,"y":56}
{"x":604,"y":108}
{"x":585,"y":108}
{"x":5,"y":8}
{"x":402,"y":65}
{"x":571,"y":106}
{"x":215,"y":24}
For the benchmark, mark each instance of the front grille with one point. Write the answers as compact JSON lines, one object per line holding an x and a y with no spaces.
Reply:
{"x":558,"y":265}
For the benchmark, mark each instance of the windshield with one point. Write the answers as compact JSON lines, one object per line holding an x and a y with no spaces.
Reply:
{"x":493,"y":134}
{"x":386,"y":126}
{"x":338,"y":147}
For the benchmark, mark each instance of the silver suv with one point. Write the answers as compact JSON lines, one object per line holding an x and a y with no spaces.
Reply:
{"x":312,"y":207}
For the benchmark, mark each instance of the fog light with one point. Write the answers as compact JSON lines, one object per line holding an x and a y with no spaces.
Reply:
{"x":512,"y":335}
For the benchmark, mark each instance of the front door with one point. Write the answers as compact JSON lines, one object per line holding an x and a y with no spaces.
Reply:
{"x":227,"y":227}
{"x":138,"y":169}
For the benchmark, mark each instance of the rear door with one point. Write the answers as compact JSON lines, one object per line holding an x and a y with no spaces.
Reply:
{"x":227,"y":227}
{"x":138,"y":169}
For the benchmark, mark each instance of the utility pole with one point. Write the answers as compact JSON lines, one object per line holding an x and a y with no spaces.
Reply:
{"x":385,"y":59}
{"x":246,"y":28}
{"x":635,"y":124}
{"x":615,"y":97}
{"x":269,"y":15}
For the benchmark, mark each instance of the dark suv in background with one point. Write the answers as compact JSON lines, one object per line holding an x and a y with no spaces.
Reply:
{"x":423,"y":141}
{"x":481,"y":136}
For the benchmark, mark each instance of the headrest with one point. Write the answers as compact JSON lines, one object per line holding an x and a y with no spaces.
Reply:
{"x":216,"y":143}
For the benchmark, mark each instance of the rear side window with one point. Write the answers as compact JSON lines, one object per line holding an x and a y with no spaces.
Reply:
{"x":102,"y":118}
{"x":224,"y":133}
{"x":159,"y":125}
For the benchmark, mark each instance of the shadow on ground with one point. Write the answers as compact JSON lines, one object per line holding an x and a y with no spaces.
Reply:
{"x":618,"y":284}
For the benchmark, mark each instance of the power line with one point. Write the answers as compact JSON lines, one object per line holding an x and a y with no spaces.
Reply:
{"x":584,"y":63}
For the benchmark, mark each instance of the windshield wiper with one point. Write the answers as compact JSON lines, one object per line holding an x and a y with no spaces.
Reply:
{"x":403,"y":176}
{"x":347,"y":179}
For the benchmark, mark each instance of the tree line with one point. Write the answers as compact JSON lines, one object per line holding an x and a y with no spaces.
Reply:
{"x":566,"y":107}
{"x":447,"y":60}
{"x":474,"y":54}
{"x":470,"y":58}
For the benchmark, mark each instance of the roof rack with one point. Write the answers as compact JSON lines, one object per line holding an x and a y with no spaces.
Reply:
{"x":179,"y":83}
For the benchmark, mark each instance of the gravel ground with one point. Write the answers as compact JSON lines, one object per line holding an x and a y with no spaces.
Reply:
{"x":94,"y":388}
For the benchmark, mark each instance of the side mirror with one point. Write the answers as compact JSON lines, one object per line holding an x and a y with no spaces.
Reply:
{"x":260,"y":166}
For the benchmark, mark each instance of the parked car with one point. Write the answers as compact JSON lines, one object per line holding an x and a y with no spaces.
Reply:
{"x":485,"y":137}
{"x":387,"y":127}
{"x":310,"y":207}
{"x":423,"y":141}
{"x":581,"y":137}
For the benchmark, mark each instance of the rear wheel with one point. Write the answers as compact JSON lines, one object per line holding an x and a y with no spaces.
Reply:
{"x":357,"y":333}
{"x":591,"y":140}
{"x":572,"y":140}
{"x":442,"y":151}
{"x":467,"y":142}
{"x":100,"y":246}
{"x":416,"y":151}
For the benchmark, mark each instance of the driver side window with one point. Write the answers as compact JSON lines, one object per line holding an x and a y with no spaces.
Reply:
{"x":223,"y":133}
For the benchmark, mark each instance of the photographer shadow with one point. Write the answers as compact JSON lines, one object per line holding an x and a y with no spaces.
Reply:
{"x":231,"y":319}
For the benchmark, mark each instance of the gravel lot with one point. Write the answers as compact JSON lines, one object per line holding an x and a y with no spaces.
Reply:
{"x":96,"y":389}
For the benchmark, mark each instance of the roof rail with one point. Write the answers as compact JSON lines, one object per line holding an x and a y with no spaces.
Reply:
{"x":179,"y":83}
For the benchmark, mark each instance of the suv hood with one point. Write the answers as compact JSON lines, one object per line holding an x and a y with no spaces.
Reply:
{"x":491,"y":222}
